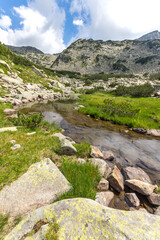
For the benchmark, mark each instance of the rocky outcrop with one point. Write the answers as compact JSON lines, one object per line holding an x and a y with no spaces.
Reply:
{"x":86,"y":219}
{"x":40,"y":185}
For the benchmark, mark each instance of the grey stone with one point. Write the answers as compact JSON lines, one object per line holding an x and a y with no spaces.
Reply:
{"x":116,"y":179}
{"x":133,"y":199}
{"x":95,"y":152}
{"x":141,"y":187}
{"x":86,"y":219}
{"x":102,"y":165}
{"x":108,"y":155}
{"x":103,"y":185}
{"x":8,"y":111}
{"x":104,"y":198}
{"x":13,"y":141}
{"x":40,"y":185}
{"x":16,"y":146}
{"x":154,"y":132}
{"x":31,"y":133}
{"x":140,"y":130}
{"x":67,"y":147}
{"x":154,"y":198}
{"x":131,"y":173}
{"x":157,"y":212}
{"x":11,"y":129}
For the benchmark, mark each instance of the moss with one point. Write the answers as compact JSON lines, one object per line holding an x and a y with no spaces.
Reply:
{"x":52,"y":232}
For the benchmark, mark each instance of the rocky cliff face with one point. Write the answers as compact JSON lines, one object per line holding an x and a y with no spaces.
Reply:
{"x":89,"y":56}
{"x":150,"y":36}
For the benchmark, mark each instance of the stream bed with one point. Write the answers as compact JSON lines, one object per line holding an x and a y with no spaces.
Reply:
{"x":129,"y":148}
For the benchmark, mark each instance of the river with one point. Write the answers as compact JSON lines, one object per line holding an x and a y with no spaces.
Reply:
{"x":129,"y":148}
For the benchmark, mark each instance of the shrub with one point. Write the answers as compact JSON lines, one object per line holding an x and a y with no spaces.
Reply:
{"x":30,"y":121}
{"x":144,"y":60}
{"x":144,"y":90}
{"x":93,"y":90}
{"x":111,"y":108}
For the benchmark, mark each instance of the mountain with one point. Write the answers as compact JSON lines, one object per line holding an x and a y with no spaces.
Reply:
{"x":128,"y":56}
{"x":150,"y":36}
{"x":24,"y":49}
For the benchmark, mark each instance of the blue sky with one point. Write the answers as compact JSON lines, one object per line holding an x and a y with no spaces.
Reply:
{"x":51,"y":25}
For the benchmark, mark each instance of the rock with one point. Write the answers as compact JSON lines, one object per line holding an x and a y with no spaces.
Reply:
{"x":67,"y":147}
{"x":140,"y":130}
{"x":32,"y":133}
{"x":8,"y":111}
{"x":40,"y":185}
{"x":86,"y":219}
{"x":154,"y":132}
{"x":141,"y":187}
{"x":102,"y":165}
{"x":104,"y":198}
{"x":108,"y":155}
{"x":133,"y":199}
{"x":16,"y":146}
{"x":96,"y":153}
{"x":103,"y":185}
{"x":12,"y":141}
{"x":136,"y":173}
{"x":116,"y":179}
{"x":11,"y":129}
{"x":62,"y":137}
{"x":5,"y":64}
{"x":157,"y":212}
{"x":154,"y":198}
{"x":81,"y":160}
{"x":143,"y":210}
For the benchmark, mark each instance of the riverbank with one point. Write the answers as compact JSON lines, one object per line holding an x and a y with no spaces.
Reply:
{"x":132,"y":112}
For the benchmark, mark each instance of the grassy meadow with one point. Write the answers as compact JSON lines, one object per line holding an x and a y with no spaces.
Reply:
{"x":133,"y":112}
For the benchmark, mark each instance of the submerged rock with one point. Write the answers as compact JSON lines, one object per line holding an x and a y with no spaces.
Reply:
{"x":86,"y":219}
{"x":140,"y":130}
{"x":40,"y":185}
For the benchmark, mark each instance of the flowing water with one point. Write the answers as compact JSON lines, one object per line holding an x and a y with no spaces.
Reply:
{"x":129,"y":148}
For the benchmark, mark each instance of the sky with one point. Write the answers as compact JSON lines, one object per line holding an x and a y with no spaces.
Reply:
{"x":52,"y":25}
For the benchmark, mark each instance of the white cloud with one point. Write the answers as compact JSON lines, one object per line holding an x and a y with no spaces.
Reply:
{"x":78,"y":22}
{"x":5,"y":22}
{"x":42,"y":26}
{"x":116,"y":19}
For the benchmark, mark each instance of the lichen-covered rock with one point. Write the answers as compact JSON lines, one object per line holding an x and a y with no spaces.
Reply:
{"x":141,"y":187}
{"x":39,"y":186}
{"x":136,"y":173}
{"x":95,"y":152}
{"x":116,"y":179}
{"x":86,"y":219}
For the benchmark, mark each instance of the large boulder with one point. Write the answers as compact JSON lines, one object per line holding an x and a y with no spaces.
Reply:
{"x":40,"y":185}
{"x":116,"y":180}
{"x":131,"y":173}
{"x":141,"y":187}
{"x":86,"y":219}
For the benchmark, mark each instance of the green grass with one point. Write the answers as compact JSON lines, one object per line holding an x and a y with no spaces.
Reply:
{"x":147,"y":117}
{"x":83,"y":177}
{"x":83,"y":149}
{"x":3,"y":222}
